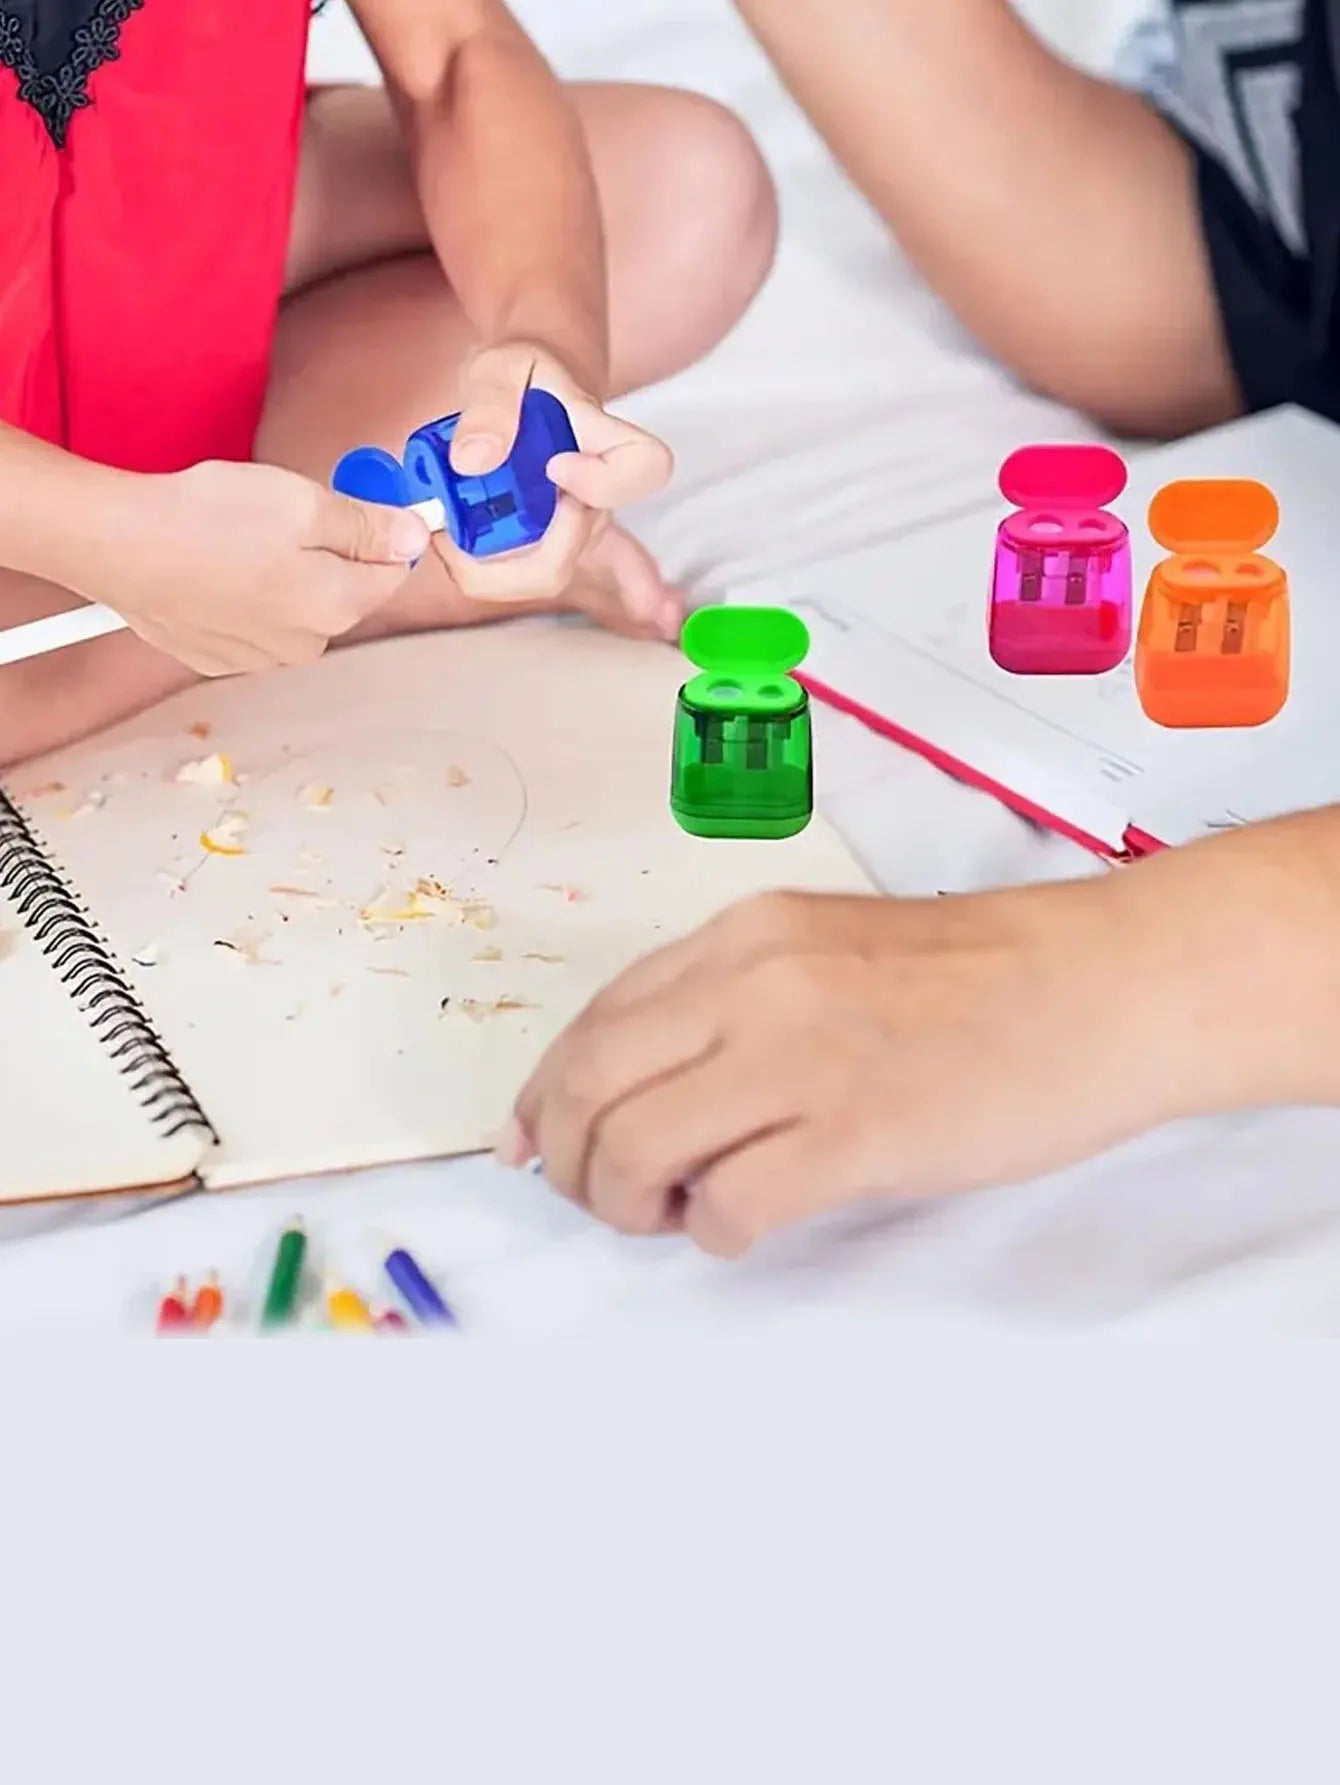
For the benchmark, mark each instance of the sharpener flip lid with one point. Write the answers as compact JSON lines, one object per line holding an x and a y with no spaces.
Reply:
{"x":1061,"y":595}
{"x":1214,"y":647}
{"x":502,"y":511}
{"x":742,"y":756}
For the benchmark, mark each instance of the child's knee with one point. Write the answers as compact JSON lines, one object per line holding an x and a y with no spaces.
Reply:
{"x":720,"y":205}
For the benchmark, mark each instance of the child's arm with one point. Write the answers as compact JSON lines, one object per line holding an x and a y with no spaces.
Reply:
{"x":511,"y":206}
{"x":227,"y":567}
{"x":221,"y":567}
{"x":504,"y":176}
{"x":54,"y":508}
{"x":1055,"y":213}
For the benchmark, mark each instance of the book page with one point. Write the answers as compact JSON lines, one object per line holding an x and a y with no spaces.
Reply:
{"x":434,"y":852}
{"x":900,"y":629}
{"x":70,"y":1122}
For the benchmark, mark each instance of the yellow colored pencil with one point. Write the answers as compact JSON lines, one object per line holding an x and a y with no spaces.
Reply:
{"x":348,"y":1312}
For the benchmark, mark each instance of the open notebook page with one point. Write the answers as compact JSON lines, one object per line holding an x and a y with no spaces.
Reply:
{"x":901,"y":630}
{"x":69,"y":1122}
{"x":448,"y":845}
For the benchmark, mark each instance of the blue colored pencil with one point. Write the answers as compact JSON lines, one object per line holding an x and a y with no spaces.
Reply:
{"x":419,"y":1292}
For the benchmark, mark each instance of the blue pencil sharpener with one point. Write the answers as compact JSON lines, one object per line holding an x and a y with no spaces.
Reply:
{"x":502,"y":511}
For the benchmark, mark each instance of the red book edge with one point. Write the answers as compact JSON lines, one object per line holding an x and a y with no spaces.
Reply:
{"x":1137,"y":843}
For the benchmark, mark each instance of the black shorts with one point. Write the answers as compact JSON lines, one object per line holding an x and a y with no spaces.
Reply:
{"x":1257,"y":97}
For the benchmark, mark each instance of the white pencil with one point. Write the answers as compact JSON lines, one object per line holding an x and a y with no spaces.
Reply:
{"x":40,"y":636}
{"x":95,"y":621}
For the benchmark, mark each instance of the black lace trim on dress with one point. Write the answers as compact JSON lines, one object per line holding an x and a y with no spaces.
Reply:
{"x":56,"y":94}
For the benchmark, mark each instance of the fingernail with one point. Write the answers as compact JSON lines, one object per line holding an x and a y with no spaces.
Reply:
{"x":408,"y":538}
{"x":512,"y":1148}
{"x":477,"y":453}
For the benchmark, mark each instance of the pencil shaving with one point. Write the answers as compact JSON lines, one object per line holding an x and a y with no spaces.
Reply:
{"x":227,"y":836}
{"x":149,"y":956}
{"x":465,"y":909}
{"x":315,"y":797}
{"x":388,"y":972}
{"x":392,"y":907}
{"x":428,"y":898}
{"x":457,"y":777}
{"x":46,"y":790}
{"x":488,"y":954}
{"x":208,"y":771}
{"x":550,"y":960}
{"x":479,"y":1010}
{"x":571,"y":895}
{"x":304,"y":892}
{"x":92,"y":802}
{"x":199,"y":730}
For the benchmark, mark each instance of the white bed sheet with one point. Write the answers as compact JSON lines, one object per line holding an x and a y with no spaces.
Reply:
{"x":845,"y":406}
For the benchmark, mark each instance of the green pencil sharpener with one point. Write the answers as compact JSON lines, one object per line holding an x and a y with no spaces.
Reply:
{"x":742,"y":760}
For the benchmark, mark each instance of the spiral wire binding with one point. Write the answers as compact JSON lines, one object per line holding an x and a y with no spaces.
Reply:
{"x":83,"y":961}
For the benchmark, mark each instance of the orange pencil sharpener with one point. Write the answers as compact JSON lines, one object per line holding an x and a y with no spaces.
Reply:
{"x":1213,"y":646}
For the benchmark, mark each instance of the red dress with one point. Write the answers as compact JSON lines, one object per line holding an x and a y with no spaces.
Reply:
{"x":148,"y":150}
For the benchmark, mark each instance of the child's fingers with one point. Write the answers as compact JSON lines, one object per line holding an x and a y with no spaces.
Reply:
{"x":365,"y":532}
{"x":536,"y":572}
{"x":627,"y":467}
{"x":491,"y":391}
{"x":612,"y":480}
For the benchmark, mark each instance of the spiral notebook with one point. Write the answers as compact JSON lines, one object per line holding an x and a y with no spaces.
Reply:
{"x":299,"y":924}
{"x":900,"y":642}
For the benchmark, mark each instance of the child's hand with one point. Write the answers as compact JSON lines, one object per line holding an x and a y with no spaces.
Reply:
{"x":801,"y":1053}
{"x":617,"y":464}
{"x":242,"y":567}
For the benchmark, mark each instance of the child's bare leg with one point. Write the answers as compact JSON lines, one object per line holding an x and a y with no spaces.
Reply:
{"x":1055,"y":213}
{"x":368,"y":355}
{"x":689,"y":210}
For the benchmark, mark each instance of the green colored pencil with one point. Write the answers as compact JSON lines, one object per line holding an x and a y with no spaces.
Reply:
{"x":281,"y":1298}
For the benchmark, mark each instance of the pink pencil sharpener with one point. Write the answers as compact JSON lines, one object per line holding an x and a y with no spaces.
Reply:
{"x":1061,"y":592}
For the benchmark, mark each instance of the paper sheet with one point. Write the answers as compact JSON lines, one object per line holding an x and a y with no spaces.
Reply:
{"x":448,"y":844}
{"x":69,"y":1122}
{"x":900,"y":627}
